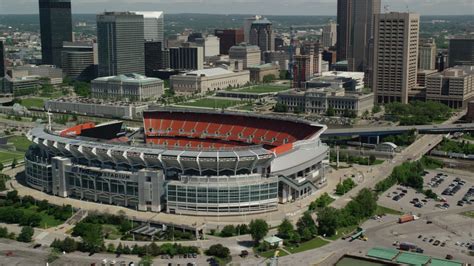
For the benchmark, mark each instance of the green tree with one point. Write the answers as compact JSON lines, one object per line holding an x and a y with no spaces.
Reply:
{"x":363,"y":205}
{"x":242,"y":229}
{"x":372,"y":159}
{"x":376,"y":109}
{"x":26,"y":234}
{"x":154,"y":249}
{"x":228,"y":230}
{"x":93,"y":238}
{"x":327,"y":221}
{"x":340,"y":189}
{"x":68,"y":245}
{"x":110,"y":248}
{"x":268,"y":78}
{"x":1,"y":167}
{"x":286,"y":229}
{"x":218,"y":250}
{"x":306,"y":222}
{"x":258,"y":229}
{"x":330,"y":111}
{"x":280,"y":108}
{"x":3,"y":232}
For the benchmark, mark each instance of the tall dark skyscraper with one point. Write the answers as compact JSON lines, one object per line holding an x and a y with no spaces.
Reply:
{"x":228,"y":38}
{"x":361,"y":28}
{"x":2,"y":59}
{"x":461,"y":51}
{"x":261,"y":34}
{"x":344,"y":18}
{"x":120,"y":40}
{"x":56,"y":28}
{"x":153,"y":58}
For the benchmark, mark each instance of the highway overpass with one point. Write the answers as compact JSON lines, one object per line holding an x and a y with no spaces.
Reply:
{"x":383,"y":131}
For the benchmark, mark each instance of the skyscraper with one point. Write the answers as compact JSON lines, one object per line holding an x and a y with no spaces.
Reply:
{"x":56,"y":28}
{"x":461,"y":51}
{"x":427,"y":54}
{"x":261,"y":34}
{"x":229,"y":38}
{"x":79,"y":60}
{"x":154,"y":25}
{"x":395,"y":56}
{"x":344,"y":18}
{"x":329,"y":36}
{"x":301,"y":70}
{"x":2,"y":59}
{"x":120,"y":39}
{"x":153,"y":57}
{"x":247,"y":25}
{"x":361,"y":31}
{"x":187,"y":57}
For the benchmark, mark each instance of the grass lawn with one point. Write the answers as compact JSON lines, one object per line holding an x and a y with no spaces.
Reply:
{"x":312,"y":244}
{"x":111,"y":231}
{"x":468,"y":214}
{"x":343,"y":231}
{"x":20,"y":142}
{"x":381,"y":210}
{"x":223,"y":262}
{"x":33,"y":102}
{"x":46,"y":219}
{"x":468,"y":136}
{"x":264,"y":89}
{"x":8,"y":156}
{"x":211,"y":103}
{"x":271,"y":253}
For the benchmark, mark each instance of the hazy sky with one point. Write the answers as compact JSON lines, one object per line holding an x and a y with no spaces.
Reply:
{"x":265,"y":7}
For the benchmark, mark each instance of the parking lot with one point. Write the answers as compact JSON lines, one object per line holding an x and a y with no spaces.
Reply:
{"x":455,"y":191}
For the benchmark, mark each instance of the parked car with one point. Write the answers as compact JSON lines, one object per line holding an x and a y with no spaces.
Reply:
{"x":436,"y":243}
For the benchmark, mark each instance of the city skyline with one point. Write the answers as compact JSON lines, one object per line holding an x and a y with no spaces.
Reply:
{"x":278,"y":7}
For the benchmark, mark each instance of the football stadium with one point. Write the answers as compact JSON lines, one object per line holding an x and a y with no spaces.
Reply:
{"x":182,"y":162}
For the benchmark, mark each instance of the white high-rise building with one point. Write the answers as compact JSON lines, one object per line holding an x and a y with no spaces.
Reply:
{"x":329,"y":37}
{"x":210,"y":45}
{"x":153,"y":25}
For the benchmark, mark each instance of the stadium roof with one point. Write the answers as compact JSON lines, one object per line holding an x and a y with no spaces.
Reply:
{"x":412,"y":258}
{"x":383,"y":253}
{"x":209,"y":72}
{"x":441,"y":262}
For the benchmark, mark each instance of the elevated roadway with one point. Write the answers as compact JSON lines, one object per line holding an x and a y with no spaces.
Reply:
{"x":380,"y":131}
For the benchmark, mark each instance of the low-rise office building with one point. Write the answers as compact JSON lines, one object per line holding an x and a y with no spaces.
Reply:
{"x":22,"y":85}
{"x":249,"y":54}
{"x":258,"y":72}
{"x":80,"y":60}
{"x":212,"y":79}
{"x":318,"y":101}
{"x":131,"y":87}
{"x":453,"y":87}
{"x":97,"y":107}
{"x":53,"y":74}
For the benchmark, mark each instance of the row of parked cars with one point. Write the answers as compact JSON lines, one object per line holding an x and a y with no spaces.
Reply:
{"x":437,"y":180}
{"x":468,"y":198}
{"x":454,"y":187}
{"x":433,"y":241}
